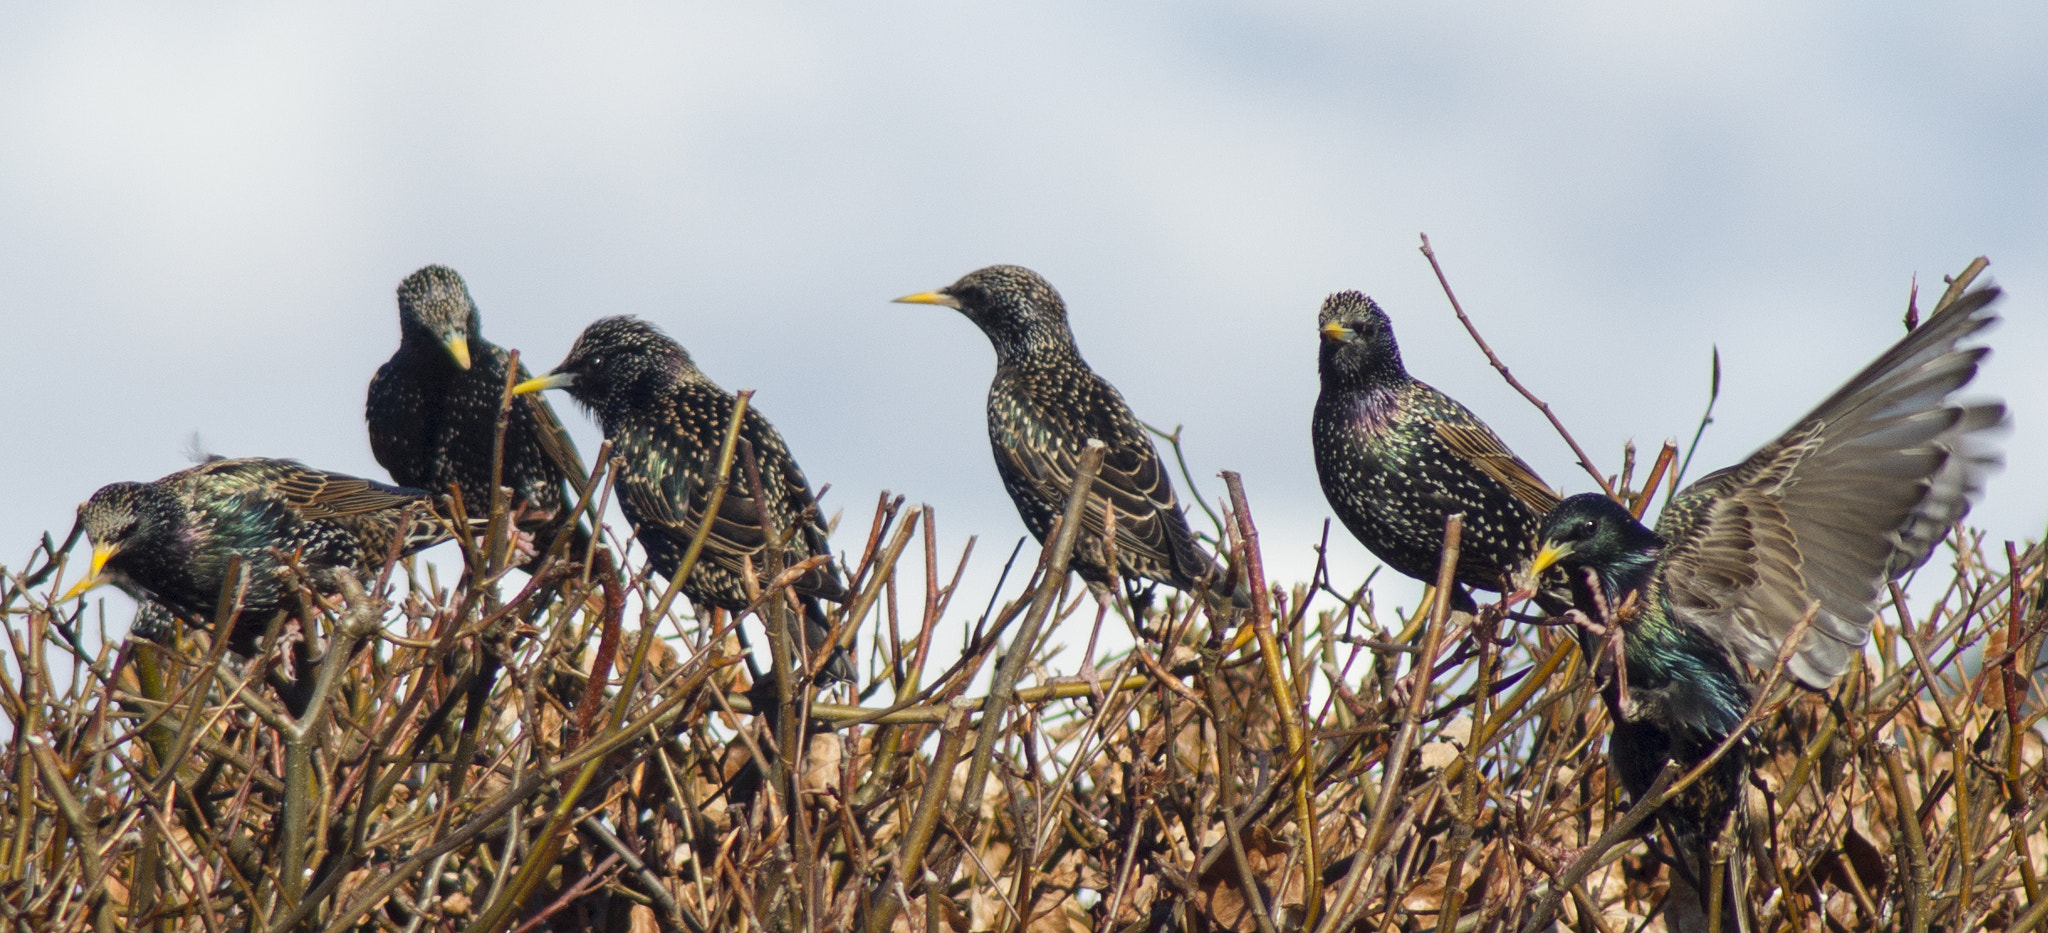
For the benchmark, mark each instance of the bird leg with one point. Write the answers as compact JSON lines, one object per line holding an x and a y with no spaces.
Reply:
{"x":1104,"y":596}
{"x":1089,"y":674}
{"x":1510,"y":607}
{"x":1497,"y":612}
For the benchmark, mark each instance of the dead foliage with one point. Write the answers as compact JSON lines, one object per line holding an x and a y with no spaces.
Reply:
{"x":1318,"y":762}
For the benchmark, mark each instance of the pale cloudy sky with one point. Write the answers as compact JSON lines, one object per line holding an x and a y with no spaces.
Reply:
{"x":204,"y":211}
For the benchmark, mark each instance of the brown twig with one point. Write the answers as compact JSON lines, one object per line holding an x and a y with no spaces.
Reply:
{"x":1285,"y":707}
{"x":1542,"y":406}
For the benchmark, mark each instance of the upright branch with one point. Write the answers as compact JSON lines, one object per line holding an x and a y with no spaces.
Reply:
{"x":1639,"y":501}
{"x":1285,"y":706}
{"x":1002,"y":690}
{"x":1706,"y":418}
{"x":499,"y":913}
{"x":1456,"y":769}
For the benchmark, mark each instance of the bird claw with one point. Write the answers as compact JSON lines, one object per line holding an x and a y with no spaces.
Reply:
{"x":1088,"y":674}
{"x":285,"y":654}
{"x":524,"y":547}
{"x":1586,"y":622}
{"x":523,"y":536}
{"x":1092,"y":676}
{"x":1553,"y":859}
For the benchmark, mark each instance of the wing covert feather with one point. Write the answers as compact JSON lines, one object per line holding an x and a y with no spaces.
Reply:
{"x":1857,"y":493}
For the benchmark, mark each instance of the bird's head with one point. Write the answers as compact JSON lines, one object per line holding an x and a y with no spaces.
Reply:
{"x":124,"y":521}
{"x":434,"y":309}
{"x":616,"y":359}
{"x":1358,"y":346}
{"x":1018,"y":309}
{"x":1591,"y":531}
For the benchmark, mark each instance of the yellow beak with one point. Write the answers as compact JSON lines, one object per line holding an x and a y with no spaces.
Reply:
{"x":458,"y":347}
{"x":100,"y":555}
{"x":1335,"y":330}
{"x":549,"y":381}
{"x":930,"y":298}
{"x":1547,"y":558}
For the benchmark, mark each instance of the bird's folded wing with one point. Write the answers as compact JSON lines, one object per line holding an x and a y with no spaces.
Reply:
{"x":811,"y":538}
{"x":392,"y":408}
{"x":736,"y":537}
{"x":318,"y":494}
{"x":1131,"y":480}
{"x":1483,"y":449}
{"x":674,"y":507}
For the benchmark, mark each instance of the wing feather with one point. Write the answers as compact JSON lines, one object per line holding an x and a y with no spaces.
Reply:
{"x":1152,"y":537}
{"x":667,"y":497}
{"x":1484,"y":449}
{"x":318,"y":494}
{"x":1857,"y":493}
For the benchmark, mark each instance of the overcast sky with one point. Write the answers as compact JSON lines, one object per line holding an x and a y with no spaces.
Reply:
{"x":204,"y":212}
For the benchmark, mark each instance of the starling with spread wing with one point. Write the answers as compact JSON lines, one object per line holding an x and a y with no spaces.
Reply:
{"x":433,"y":414}
{"x":666,"y":421}
{"x":1397,"y":458}
{"x":1799,"y":539}
{"x":1044,"y":407}
{"x":171,"y":541}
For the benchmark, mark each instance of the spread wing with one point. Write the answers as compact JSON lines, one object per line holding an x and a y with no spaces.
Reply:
{"x":1856,"y":494}
{"x":1482,"y":448}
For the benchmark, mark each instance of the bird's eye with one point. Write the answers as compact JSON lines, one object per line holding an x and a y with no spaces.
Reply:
{"x":1584,"y":529}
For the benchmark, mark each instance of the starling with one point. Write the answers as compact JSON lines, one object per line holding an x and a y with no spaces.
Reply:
{"x":433,"y":413}
{"x":666,"y":421}
{"x":1044,"y":407}
{"x":171,"y":541}
{"x":1815,"y":523}
{"x":1397,"y":458}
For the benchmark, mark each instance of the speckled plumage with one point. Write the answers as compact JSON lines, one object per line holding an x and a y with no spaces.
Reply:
{"x":666,"y":421}
{"x":1044,"y":406}
{"x":1854,"y":495}
{"x":1397,"y":458}
{"x":171,"y":540}
{"x":433,"y":421}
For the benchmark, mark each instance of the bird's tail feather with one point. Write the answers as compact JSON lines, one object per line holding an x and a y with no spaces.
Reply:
{"x":1690,"y":906}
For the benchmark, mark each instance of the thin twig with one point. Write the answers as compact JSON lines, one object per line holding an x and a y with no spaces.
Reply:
{"x":1502,"y":368}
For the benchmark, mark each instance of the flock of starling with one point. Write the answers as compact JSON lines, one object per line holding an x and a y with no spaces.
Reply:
{"x":1797,"y":541}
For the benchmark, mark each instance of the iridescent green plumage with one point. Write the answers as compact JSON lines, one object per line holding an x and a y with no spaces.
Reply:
{"x":1800,"y":537}
{"x":1684,"y":694}
{"x":172,"y":540}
